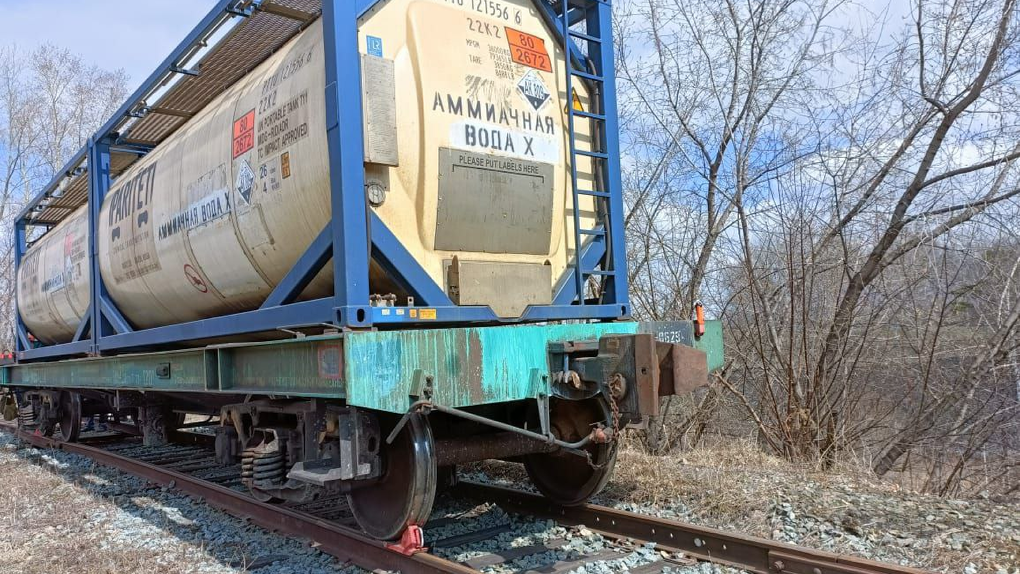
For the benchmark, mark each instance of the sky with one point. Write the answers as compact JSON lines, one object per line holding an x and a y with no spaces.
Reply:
{"x":137,"y":35}
{"x":130,"y":34}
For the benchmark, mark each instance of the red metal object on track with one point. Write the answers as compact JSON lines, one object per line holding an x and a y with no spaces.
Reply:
{"x":753,"y":554}
{"x":344,"y":543}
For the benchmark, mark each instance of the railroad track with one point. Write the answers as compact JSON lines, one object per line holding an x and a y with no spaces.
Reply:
{"x":188,"y":465}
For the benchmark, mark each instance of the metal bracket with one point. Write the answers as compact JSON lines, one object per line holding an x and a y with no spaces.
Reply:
{"x":186,"y":71}
{"x":634,"y":369}
{"x":543,"y":415}
{"x":246,"y":12}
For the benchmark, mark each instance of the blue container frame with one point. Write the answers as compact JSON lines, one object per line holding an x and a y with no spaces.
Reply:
{"x":355,"y":235}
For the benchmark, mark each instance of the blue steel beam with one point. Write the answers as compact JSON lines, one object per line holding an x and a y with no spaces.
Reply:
{"x":457,"y":314}
{"x":301,"y":274}
{"x":104,"y":316}
{"x":602,"y":53}
{"x":295,"y":315}
{"x":591,"y":255}
{"x":345,"y":142}
{"x":99,"y":184}
{"x":83,"y":326}
{"x":23,"y":343}
{"x":394,"y":258}
{"x":220,"y":13}
{"x":20,"y":245}
{"x":112,"y":315}
{"x":53,"y":351}
{"x":567,"y":312}
{"x":387,"y":251}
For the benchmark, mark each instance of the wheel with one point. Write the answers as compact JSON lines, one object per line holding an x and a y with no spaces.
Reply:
{"x":404,"y":494}
{"x":70,"y":416}
{"x":566,"y":478}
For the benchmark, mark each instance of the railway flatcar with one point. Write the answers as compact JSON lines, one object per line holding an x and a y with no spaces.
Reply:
{"x":374,"y":239}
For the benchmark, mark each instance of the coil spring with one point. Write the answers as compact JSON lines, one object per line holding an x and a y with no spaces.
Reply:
{"x":262,"y":466}
{"x":26,"y":416}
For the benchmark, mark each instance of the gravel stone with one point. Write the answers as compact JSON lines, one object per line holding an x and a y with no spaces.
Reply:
{"x":115,"y":514}
{"x":845,"y":513}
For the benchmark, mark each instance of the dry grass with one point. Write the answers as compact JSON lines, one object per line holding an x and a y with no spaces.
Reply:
{"x":734,"y":485}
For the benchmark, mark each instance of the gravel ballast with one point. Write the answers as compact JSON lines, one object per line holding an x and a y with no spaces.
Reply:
{"x":65,"y":513}
{"x":739,"y":489}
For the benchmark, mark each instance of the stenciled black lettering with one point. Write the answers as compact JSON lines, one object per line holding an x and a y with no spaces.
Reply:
{"x":509,"y":116}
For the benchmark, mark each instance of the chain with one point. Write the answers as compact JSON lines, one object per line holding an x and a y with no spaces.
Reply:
{"x":616,"y":417}
{"x":615,"y":409}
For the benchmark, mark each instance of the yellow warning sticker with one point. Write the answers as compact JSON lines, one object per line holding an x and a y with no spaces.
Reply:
{"x":429,"y":314}
{"x":285,"y":163}
{"x":577,"y":102}
{"x":578,"y":106}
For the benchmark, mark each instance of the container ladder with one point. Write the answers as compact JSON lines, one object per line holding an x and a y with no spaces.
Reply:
{"x":578,"y":65}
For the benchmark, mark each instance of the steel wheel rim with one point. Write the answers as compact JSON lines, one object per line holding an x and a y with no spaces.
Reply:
{"x":70,"y":416}
{"x":568,"y":479}
{"x":404,"y":494}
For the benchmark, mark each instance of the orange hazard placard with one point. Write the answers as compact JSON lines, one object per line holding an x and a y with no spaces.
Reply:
{"x":528,"y":50}
{"x":244,"y":133}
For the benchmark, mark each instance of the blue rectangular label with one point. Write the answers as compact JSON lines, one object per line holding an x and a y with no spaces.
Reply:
{"x":374,"y":46}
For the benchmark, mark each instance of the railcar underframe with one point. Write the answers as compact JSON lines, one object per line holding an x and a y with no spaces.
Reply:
{"x":386,"y":415}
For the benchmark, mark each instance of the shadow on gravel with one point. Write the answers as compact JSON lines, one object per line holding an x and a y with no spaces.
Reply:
{"x":149,"y":517}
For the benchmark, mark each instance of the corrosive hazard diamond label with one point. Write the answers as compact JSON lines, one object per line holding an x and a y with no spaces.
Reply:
{"x":533,"y":89}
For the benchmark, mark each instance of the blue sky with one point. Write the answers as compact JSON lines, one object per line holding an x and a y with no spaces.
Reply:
{"x":130,"y":34}
{"x":136,"y":35}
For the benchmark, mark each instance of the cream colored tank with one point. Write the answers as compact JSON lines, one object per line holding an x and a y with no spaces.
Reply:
{"x":466,"y":161}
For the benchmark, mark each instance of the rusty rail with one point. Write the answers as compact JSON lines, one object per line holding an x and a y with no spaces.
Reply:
{"x":748,"y":553}
{"x":344,"y":543}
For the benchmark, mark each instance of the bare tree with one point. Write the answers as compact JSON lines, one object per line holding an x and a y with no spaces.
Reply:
{"x":50,"y":103}
{"x":710,"y":87}
{"x":710,"y":92}
{"x":858,"y":249}
{"x":832,"y":188}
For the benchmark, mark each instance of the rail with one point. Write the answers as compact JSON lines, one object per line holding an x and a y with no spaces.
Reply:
{"x":752,"y":554}
{"x":345,"y":543}
{"x":707,"y":544}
